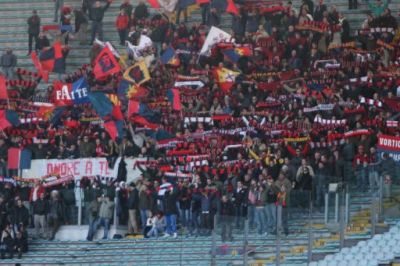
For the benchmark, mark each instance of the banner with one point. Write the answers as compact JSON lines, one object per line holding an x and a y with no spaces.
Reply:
{"x":390,"y":145}
{"x":79,"y":168}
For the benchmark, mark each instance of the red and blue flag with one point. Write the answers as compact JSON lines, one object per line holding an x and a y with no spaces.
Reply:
{"x":52,"y":59}
{"x":19,"y":158}
{"x":105,"y":64}
{"x":8,"y":118}
{"x":70,"y":93}
{"x":174,"y":98}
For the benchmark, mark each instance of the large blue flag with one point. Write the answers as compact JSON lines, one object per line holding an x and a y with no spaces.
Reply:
{"x":80,"y":90}
{"x":101,"y":103}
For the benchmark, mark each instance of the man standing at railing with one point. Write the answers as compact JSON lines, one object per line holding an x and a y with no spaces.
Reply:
{"x":226,"y":218}
{"x":240,"y":202}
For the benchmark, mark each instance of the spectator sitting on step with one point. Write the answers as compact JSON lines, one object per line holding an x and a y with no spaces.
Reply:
{"x":21,"y":242}
{"x":7,"y":242}
{"x":155,"y":225}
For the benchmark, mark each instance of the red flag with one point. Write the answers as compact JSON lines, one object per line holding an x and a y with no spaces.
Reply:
{"x":44,"y":74}
{"x":174,"y":98}
{"x":4,"y":123}
{"x":105,"y":64}
{"x":116,"y":113}
{"x":111,"y":128}
{"x":231,"y":8}
{"x":133,"y":107}
{"x":3,"y":88}
{"x":49,"y":57}
{"x":143,"y":121}
{"x":154,"y":4}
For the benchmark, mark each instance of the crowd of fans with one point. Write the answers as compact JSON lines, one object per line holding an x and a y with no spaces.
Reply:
{"x":305,"y":111}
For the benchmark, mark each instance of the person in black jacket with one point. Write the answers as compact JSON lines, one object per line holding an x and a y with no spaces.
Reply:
{"x":33,"y":29}
{"x":184,"y":203}
{"x":141,"y":11}
{"x":240,"y":202}
{"x":19,"y":215}
{"x":127,"y":7}
{"x":20,"y":244}
{"x":226,"y":213}
{"x":133,"y":206}
{"x":319,"y":11}
{"x":3,"y":157}
{"x":42,"y":41}
{"x":96,"y":15}
{"x":171,"y":211}
{"x":195,"y":208}
{"x":81,"y":23}
{"x":68,"y":197}
{"x":56,"y":215}
{"x":40,"y":210}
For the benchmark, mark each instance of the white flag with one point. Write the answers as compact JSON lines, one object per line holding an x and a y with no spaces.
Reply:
{"x":215,"y":35}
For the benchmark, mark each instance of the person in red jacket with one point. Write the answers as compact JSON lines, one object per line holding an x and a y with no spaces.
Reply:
{"x":360,"y":165}
{"x":122,"y":24}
